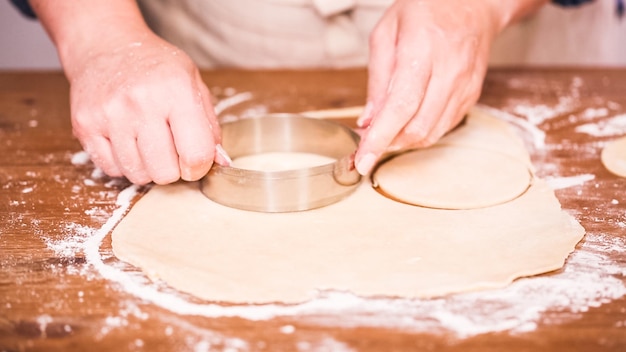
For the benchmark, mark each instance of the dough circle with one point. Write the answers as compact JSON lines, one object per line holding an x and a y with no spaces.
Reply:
{"x":614,"y":157}
{"x":367,"y":244}
{"x":453,"y":177}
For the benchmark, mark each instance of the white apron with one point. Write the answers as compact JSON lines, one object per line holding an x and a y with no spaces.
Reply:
{"x":267,"y":33}
{"x":334,"y":33}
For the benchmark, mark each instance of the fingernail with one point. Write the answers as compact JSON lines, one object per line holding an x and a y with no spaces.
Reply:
{"x":365,"y":117}
{"x":223,"y":158}
{"x":365,"y":164}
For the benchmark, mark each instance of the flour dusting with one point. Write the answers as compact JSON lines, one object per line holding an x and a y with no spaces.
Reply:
{"x":566,"y":182}
{"x":537,"y":114}
{"x":80,"y":158}
{"x":231,"y":101}
{"x":71,"y":244}
{"x":594,"y":113}
{"x":614,"y":126}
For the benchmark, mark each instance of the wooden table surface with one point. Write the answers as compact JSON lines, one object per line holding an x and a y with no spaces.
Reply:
{"x":53,"y":297}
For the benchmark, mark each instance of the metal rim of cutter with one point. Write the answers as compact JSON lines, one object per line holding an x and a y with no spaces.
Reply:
{"x":289,"y":190}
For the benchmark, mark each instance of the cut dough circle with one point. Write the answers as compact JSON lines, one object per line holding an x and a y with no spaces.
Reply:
{"x":614,"y":157}
{"x":453,"y":177}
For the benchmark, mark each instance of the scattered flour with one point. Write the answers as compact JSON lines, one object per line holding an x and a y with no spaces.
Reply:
{"x":325,"y":344}
{"x":43,"y":321}
{"x":568,"y":100}
{"x":80,"y":158}
{"x":615,"y":126}
{"x":566,"y":182}
{"x":592,"y":113}
{"x":250,"y":112}
{"x":537,"y":114}
{"x":287,"y":329}
{"x":73,"y":243}
{"x":231,"y":101}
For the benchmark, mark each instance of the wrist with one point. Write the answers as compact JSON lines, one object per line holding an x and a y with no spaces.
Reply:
{"x":75,"y":53}
{"x":507,"y":12}
{"x":80,"y":29}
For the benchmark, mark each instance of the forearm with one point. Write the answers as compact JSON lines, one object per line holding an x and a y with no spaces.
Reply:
{"x":77,"y":27}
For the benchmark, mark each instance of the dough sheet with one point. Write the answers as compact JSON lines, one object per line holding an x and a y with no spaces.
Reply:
{"x":367,"y":244}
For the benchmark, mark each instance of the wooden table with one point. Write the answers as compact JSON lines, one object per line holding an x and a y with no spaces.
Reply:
{"x":51,"y":203}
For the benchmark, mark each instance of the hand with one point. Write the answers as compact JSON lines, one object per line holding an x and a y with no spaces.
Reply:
{"x":428,"y":59}
{"x":141,"y":110}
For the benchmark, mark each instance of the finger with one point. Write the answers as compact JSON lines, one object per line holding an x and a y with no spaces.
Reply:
{"x":99,"y":150}
{"x":419,"y":131}
{"x":452,"y":117}
{"x":220,"y":157}
{"x":94,"y":142}
{"x":408,"y":85}
{"x":127,"y":157}
{"x":381,"y":62}
{"x":193,"y":137}
{"x":464,"y":87}
{"x":158,"y":153}
{"x":447,"y":120}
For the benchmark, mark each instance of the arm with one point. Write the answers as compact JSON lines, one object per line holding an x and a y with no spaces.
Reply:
{"x":428,"y":59}
{"x":139,"y":106}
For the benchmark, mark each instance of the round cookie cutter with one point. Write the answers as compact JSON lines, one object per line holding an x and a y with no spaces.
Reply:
{"x":288,"y":190}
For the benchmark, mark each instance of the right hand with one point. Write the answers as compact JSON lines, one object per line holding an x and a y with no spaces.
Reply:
{"x":141,"y":110}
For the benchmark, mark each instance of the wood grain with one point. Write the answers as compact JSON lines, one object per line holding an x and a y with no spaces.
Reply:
{"x":52,"y":300}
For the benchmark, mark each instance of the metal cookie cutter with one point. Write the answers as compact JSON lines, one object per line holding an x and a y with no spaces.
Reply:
{"x":288,"y":190}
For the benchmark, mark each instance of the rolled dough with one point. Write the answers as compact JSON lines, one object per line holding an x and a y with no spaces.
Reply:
{"x":366,"y":244}
{"x":614,"y":157}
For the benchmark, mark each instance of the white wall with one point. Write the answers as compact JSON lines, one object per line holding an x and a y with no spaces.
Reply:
{"x":23,"y":42}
